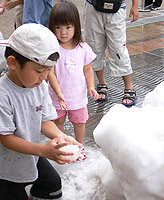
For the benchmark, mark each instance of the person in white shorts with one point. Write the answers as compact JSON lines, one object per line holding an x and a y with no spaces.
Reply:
{"x":108,"y":31}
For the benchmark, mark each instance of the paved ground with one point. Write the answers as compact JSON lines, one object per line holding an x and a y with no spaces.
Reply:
{"x":145,"y":42}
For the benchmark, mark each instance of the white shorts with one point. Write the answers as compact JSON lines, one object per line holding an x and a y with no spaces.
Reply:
{"x":108,"y":31}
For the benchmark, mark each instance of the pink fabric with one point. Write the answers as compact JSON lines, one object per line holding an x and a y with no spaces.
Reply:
{"x":79,"y":116}
{"x":70,"y":75}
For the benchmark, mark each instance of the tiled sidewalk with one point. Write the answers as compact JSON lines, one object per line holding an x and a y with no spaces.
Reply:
{"x":145,"y":38}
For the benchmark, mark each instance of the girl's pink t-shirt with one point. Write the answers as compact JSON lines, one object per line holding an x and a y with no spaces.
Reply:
{"x":70,"y":76}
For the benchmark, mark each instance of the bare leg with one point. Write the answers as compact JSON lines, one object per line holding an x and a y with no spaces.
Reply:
{"x":100,"y":76}
{"x":128,"y":86}
{"x":60,"y":123}
{"x":101,"y":79}
{"x":79,"y":130}
{"x":128,"y":82}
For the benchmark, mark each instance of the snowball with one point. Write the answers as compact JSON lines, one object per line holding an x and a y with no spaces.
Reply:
{"x":71,"y":149}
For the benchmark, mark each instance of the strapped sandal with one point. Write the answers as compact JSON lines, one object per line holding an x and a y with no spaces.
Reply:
{"x":132,"y":95}
{"x":100,"y":91}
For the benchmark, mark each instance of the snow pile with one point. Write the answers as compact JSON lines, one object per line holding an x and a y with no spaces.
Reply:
{"x":85,"y":180}
{"x":80,"y":180}
{"x":132,"y":139}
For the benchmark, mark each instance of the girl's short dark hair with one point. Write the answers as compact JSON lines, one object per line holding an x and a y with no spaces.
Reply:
{"x":21,"y":59}
{"x":65,"y":13}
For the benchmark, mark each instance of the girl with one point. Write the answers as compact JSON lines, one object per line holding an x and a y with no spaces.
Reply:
{"x":69,"y":79}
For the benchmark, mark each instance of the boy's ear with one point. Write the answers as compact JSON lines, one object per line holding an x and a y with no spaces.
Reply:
{"x":12,"y":62}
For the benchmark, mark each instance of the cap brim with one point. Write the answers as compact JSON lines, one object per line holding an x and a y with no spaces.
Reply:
{"x":4,"y":43}
{"x":50,"y":63}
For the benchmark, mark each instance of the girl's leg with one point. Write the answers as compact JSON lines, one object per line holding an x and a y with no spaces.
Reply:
{"x":60,"y":123}
{"x":79,"y":118}
{"x":79,"y":130}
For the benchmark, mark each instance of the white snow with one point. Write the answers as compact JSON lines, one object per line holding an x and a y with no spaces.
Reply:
{"x":132,"y":139}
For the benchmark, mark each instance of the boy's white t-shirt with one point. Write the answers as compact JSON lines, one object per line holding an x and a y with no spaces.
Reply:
{"x":22,"y":110}
{"x":70,"y":75}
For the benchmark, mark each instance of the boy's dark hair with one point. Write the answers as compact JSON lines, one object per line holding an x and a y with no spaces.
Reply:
{"x":65,"y":13}
{"x":21,"y":59}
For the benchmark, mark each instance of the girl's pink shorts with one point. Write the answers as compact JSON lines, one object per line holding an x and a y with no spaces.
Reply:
{"x":79,"y":116}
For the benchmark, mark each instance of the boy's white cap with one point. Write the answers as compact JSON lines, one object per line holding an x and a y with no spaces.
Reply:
{"x":35,"y":42}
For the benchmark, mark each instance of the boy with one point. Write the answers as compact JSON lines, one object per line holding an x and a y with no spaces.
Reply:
{"x":26,"y":110}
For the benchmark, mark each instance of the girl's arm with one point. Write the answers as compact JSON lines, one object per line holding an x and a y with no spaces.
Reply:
{"x":89,"y":75}
{"x":55,"y":86}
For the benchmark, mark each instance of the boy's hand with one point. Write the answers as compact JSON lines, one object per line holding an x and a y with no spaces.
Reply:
{"x":71,"y":140}
{"x":92,"y":92}
{"x":52,"y":151}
